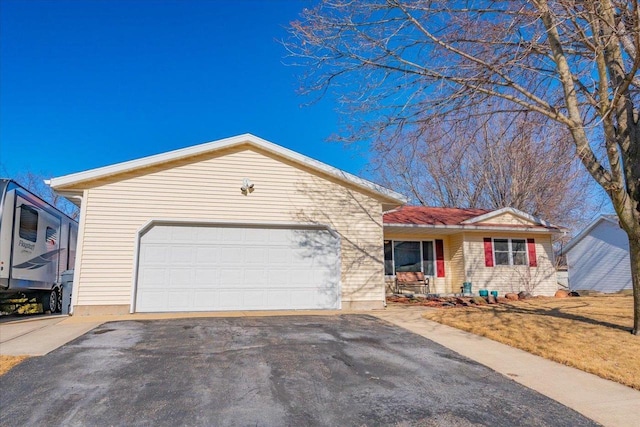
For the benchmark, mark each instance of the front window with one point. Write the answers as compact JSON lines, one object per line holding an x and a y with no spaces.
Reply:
{"x":428,"y":256}
{"x":410,"y":256}
{"x":510,"y":251}
{"x":407,"y":256}
{"x":519,"y":252}
{"x":388,"y":257}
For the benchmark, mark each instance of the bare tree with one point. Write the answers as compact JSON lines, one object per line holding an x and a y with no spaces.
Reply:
{"x":490,"y":161}
{"x":573,"y":62}
{"x":34,"y":182}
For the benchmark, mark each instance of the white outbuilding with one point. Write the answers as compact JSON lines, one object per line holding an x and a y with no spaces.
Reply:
{"x":598,"y":257}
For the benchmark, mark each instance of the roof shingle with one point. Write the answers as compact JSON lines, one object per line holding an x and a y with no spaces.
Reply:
{"x":423,"y":215}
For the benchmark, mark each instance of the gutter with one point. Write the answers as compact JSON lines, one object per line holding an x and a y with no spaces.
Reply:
{"x":473,"y":228}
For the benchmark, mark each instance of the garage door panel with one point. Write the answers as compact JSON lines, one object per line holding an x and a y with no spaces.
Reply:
{"x":254,"y":275}
{"x":230,"y":234}
{"x":155,"y":254}
{"x":278,"y":297}
{"x":256,"y":235}
{"x":186,"y":234}
{"x":231,"y":254}
{"x":279,"y":256}
{"x":206,"y":255}
{"x":230,"y":276}
{"x":186,"y":268}
{"x":257,"y":255}
{"x":280,"y":276}
{"x":152,"y":298}
{"x":229,"y":300}
{"x":204,"y":277}
{"x":181,"y":300}
{"x":254,"y":299}
{"x":208,"y":234}
{"x":180,"y":255}
{"x":152,"y":276}
{"x":204,"y":299}
{"x":180,"y":276}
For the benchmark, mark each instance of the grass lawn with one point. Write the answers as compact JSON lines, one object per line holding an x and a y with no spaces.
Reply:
{"x":588,"y":333}
{"x":8,"y":362}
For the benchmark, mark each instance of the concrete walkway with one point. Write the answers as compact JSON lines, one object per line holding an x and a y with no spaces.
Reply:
{"x":39,"y":336}
{"x":606,"y":402}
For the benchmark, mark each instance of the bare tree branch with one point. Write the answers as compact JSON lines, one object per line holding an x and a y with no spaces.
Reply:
{"x":399,"y":65}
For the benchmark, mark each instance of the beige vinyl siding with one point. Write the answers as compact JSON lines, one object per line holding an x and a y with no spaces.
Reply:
{"x":208,"y":188}
{"x":508,"y":218}
{"x":540,"y":280}
{"x":456,"y":272}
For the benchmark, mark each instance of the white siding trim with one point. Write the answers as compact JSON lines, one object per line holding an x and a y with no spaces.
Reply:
{"x":216,"y":223}
{"x":79,"y":246}
{"x":457,"y":228}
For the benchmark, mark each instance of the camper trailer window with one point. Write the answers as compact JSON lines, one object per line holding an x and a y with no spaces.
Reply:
{"x":28,"y":223}
{"x":52,"y":236}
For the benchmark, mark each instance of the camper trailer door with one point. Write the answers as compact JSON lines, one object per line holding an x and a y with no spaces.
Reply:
{"x":36,"y":249}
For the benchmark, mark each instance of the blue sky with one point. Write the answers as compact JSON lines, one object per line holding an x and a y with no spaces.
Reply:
{"x":89,"y":83}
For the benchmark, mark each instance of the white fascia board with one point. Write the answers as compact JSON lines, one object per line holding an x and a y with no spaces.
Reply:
{"x":513,"y":211}
{"x":465,"y":227}
{"x":219,"y":145}
{"x":584,"y":233}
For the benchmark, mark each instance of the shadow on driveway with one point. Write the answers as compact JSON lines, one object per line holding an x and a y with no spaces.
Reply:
{"x":266,"y":371}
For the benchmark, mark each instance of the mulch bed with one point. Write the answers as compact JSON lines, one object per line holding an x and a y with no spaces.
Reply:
{"x":444,"y":302}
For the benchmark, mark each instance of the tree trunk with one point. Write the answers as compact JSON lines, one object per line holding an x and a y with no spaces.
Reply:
{"x":634,"y":255}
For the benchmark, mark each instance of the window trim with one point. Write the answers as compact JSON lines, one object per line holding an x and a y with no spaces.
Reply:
{"x":421,"y":241}
{"x":510,"y":251}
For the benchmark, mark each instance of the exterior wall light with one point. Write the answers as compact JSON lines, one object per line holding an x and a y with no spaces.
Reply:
{"x":247,"y":186}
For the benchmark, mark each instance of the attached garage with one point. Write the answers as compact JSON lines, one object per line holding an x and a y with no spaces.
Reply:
{"x":235,"y":224}
{"x":183,"y":267}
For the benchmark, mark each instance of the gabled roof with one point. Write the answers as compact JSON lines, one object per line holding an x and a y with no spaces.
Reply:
{"x":459,"y":218}
{"x":67,"y":181}
{"x":486,"y":218}
{"x":423,"y":215}
{"x":613,"y":219}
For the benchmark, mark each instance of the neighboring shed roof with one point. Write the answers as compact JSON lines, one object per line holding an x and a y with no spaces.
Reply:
{"x":463,"y":218}
{"x":584,"y":233}
{"x":68,"y":182}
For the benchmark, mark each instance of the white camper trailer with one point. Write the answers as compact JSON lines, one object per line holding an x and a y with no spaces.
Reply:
{"x":37,"y":243}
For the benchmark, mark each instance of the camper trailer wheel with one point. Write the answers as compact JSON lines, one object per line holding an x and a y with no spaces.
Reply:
{"x":50,"y":301}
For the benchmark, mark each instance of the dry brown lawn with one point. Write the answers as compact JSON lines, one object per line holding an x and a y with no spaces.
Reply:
{"x":8,"y":362}
{"x":588,"y":333}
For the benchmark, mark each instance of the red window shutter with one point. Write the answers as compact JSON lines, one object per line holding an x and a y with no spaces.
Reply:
{"x":488,"y":252}
{"x":531,"y":247}
{"x":439,"y":258}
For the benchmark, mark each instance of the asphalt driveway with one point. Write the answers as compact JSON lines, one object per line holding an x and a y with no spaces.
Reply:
{"x":265,"y":371}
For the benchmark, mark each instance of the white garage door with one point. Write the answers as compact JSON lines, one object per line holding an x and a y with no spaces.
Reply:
{"x":192,"y":268}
